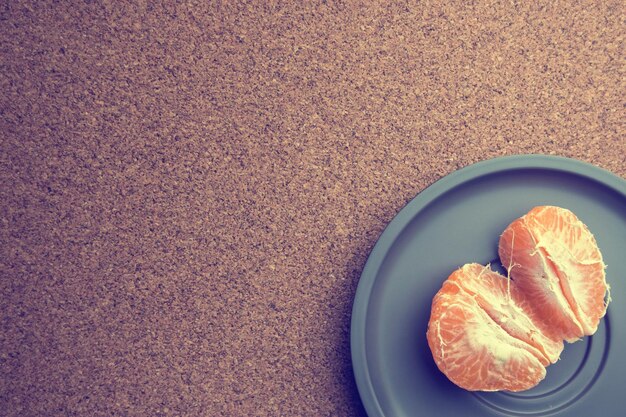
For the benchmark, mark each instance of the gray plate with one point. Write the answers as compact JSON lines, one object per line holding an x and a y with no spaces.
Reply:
{"x":458,"y":220}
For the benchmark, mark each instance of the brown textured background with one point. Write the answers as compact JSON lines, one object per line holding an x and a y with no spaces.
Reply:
{"x":190,"y":191}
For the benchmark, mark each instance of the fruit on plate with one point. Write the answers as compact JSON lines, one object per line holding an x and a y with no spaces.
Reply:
{"x":555,"y":261}
{"x":489,"y":332}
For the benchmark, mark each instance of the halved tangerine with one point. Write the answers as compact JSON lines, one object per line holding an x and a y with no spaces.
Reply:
{"x":483,"y":337}
{"x":489,"y":332}
{"x":554,"y":260}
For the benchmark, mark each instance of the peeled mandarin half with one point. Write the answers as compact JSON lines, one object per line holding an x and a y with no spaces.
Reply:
{"x":482,"y":335}
{"x":555,"y":262}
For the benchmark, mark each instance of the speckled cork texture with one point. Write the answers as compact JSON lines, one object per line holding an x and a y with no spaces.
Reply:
{"x":189,"y":192}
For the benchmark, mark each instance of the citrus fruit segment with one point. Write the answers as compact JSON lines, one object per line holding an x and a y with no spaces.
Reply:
{"x":482,"y":338}
{"x":507,"y":306}
{"x":555,"y":262}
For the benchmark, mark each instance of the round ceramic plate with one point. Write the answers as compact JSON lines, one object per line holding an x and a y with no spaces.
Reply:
{"x":459,"y":220}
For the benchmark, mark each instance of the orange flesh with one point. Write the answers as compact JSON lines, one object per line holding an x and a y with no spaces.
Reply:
{"x":552,"y":244}
{"x":486,"y":342}
{"x":488,"y":332}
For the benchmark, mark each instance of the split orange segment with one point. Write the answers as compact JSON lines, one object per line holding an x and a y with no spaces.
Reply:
{"x":554,"y":259}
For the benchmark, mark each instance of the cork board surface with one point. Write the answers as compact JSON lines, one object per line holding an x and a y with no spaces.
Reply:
{"x":189,"y":191}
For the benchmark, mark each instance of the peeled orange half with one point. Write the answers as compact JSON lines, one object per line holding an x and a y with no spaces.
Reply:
{"x":489,"y":332}
{"x":554,"y":259}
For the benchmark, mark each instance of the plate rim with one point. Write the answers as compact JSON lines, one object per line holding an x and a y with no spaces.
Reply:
{"x":391,"y":232}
